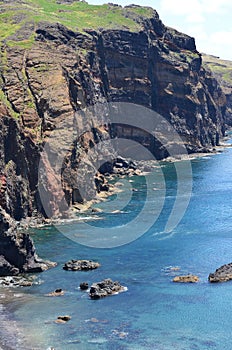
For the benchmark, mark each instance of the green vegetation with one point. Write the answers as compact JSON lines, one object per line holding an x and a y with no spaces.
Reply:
{"x":16,"y":19}
{"x":222,"y":69}
{"x":19,"y":20}
{"x":6,"y":102}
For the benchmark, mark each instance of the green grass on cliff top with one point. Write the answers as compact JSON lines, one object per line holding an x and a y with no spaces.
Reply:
{"x":76,"y":16}
{"x":222,"y":69}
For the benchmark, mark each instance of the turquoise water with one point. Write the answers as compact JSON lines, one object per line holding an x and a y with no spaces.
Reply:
{"x":154,"y":313}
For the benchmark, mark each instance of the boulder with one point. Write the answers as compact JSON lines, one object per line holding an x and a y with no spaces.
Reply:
{"x":222,"y":274}
{"x":105,"y":288}
{"x":186,"y":279}
{"x":80,"y":265}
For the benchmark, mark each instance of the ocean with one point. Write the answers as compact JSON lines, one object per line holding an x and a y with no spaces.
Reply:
{"x":154,"y":313}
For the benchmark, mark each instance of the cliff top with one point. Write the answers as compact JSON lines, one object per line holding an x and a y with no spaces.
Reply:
{"x":222,"y":70}
{"x":18,"y":17}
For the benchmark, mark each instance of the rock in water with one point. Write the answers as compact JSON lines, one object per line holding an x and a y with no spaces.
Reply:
{"x":57,"y":293}
{"x":105,"y":288}
{"x":186,"y":279}
{"x":84,"y":286}
{"x":17,"y":251}
{"x":63,"y":319}
{"x":80,"y":265}
{"x":222,"y":274}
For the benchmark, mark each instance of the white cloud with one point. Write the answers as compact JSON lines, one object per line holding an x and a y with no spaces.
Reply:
{"x":221,"y":38}
{"x":198,"y":31}
{"x":209,"y":21}
{"x":181,"y":7}
{"x":195,"y":17}
{"x":195,"y":10}
{"x":216,"y":6}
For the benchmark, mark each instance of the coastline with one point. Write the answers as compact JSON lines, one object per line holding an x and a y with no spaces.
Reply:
{"x":143,"y":168}
{"x":11,"y":337}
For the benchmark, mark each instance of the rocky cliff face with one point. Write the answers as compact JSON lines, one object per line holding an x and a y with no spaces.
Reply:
{"x":222,"y":71}
{"x":17,"y":252}
{"x":45,"y":81}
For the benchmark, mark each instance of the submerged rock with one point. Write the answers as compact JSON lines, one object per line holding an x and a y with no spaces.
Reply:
{"x":80,"y":265}
{"x":186,"y":279}
{"x":222,"y":274}
{"x":56,"y":293}
{"x":17,"y":251}
{"x":63,"y":319}
{"x":105,"y":288}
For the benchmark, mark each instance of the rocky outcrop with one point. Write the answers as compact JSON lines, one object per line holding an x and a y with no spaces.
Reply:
{"x":80,"y":265}
{"x":222,"y":274}
{"x":105,"y":288}
{"x":186,"y":279}
{"x":17,"y":252}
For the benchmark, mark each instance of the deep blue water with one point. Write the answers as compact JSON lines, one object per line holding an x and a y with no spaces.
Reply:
{"x":154,"y":313}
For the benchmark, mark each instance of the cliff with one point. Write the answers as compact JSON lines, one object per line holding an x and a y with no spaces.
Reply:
{"x":17,"y":252}
{"x":59,"y":57}
{"x":222,"y":71}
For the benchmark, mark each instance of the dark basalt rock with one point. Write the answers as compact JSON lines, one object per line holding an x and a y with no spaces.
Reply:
{"x":222,"y":274}
{"x":17,"y":251}
{"x":6,"y":269}
{"x":105,"y":288}
{"x":84,"y":286}
{"x":80,"y":265}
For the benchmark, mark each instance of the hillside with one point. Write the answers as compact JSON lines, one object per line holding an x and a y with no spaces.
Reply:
{"x":222,"y":70}
{"x":20,"y":18}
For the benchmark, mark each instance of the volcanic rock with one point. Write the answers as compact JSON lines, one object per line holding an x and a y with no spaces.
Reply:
{"x":84,"y":286}
{"x":17,"y":251}
{"x":80,"y":265}
{"x":186,"y":279}
{"x":222,"y":274}
{"x":105,"y":288}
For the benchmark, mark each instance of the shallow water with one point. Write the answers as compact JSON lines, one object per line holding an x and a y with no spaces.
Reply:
{"x":154,"y":313}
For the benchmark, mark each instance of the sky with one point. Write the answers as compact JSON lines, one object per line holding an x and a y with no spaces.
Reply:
{"x":208,"y":21}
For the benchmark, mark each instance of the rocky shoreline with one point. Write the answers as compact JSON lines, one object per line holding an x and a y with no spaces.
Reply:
{"x":142,"y":168}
